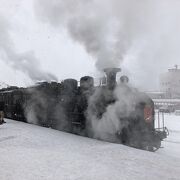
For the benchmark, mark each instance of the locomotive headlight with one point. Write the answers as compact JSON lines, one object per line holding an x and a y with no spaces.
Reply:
{"x":148,"y":114}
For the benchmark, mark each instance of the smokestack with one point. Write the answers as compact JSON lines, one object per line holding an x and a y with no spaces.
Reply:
{"x":111,"y":76}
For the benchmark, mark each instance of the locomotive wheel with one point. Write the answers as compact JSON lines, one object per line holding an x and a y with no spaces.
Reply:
{"x":151,"y":148}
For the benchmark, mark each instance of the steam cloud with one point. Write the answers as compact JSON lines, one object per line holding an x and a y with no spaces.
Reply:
{"x":105,"y":127}
{"x":142,"y":32}
{"x":25,"y":62}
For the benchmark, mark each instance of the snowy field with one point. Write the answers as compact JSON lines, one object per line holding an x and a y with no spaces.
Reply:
{"x":29,"y":152}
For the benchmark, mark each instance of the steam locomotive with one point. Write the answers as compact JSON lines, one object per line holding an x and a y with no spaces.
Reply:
{"x":110,"y":111}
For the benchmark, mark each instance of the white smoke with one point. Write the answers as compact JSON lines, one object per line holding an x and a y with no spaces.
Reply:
{"x":144,"y":33}
{"x":24,"y":62}
{"x":114,"y":115}
{"x":91,"y":23}
{"x":30,"y":114}
{"x":36,"y":106}
{"x":42,"y":108}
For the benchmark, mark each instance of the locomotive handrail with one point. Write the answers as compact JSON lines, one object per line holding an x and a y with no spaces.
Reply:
{"x":159,"y":124}
{"x":162,"y":131}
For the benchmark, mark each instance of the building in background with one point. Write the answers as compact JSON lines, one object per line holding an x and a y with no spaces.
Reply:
{"x":156,"y":94}
{"x":170,"y":83}
{"x":167,"y":98}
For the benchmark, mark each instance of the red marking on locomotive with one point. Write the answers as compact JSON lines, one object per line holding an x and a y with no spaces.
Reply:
{"x":148,"y":114}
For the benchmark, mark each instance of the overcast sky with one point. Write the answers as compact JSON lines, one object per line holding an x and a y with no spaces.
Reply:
{"x":59,"y":54}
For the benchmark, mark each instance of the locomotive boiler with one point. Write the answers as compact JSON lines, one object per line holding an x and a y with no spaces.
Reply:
{"x":112,"y":111}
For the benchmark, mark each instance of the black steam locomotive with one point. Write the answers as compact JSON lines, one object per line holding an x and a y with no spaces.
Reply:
{"x":110,"y":111}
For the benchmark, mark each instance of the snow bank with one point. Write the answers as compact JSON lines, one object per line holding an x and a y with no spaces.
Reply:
{"x":29,"y":152}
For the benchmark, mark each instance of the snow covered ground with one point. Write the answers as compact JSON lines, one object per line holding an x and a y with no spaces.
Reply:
{"x":29,"y":152}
